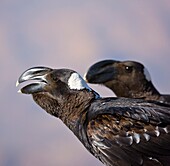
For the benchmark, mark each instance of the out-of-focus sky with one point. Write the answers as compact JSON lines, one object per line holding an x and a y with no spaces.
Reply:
{"x":70,"y":34}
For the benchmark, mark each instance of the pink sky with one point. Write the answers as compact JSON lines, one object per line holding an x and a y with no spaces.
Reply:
{"x":70,"y":34}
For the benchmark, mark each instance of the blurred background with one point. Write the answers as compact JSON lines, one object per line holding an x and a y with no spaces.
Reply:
{"x":70,"y":34}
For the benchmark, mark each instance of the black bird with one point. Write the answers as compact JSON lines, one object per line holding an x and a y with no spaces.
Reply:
{"x":117,"y":131}
{"x":125,"y":78}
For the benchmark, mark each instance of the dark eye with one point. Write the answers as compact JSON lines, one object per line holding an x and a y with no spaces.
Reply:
{"x":54,"y":77}
{"x":129,"y":69}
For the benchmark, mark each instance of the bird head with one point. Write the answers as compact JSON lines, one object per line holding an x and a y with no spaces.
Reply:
{"x":108,"y":70}
{"x":50,"y":80}
{"x":120,"y":76}
{"x":54,"y":89}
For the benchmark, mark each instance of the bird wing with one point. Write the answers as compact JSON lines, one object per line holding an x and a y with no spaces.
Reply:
{"x":129,"y":135}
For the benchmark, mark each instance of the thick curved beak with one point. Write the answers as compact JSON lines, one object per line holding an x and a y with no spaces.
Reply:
{"x":37,"y":74}
{"x":101,"y":72}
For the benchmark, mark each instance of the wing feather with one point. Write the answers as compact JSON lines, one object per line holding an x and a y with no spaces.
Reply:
{"x":129,"y":135}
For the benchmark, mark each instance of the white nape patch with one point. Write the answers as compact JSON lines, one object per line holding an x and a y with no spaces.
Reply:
{"x":146,"y":73}
{"x":136,"y":137}
{"x":76,"y":82}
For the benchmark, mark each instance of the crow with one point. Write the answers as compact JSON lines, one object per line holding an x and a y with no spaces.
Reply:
{"x":125,"y":78}
{"x":117,"y":131}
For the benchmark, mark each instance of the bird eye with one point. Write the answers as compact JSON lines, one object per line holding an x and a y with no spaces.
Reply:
{"x":54,"y":77}
{"x":129,"y":69}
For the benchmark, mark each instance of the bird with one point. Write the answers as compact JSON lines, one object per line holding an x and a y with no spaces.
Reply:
{"x":129,"y":79}
{"x":117,"y":131}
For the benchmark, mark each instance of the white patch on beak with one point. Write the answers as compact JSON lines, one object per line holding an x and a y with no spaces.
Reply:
{"x":146,"y":73}
{"x":76,"y":82}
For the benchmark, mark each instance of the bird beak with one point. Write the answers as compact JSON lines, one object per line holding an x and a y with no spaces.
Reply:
{"x":37,"y":74}
{"x":101,"y":72}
